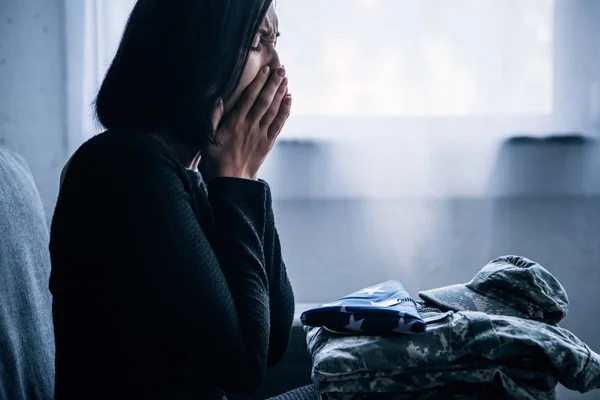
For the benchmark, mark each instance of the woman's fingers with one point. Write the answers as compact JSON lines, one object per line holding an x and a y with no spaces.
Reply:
{"x":251,"y":128}
{"x":251,"y":93}
{"x":273,"y":110}
{"x":217,"y":114}
{"x":282,"y":116}
{"x":265,"y":99}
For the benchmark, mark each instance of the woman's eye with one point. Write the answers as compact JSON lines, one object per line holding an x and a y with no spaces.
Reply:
{"x":255,"y":48}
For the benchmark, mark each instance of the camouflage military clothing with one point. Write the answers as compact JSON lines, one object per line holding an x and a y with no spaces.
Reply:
{"x":509,"y":285}
{"x":451,"y":392}
{"x":471,"y":383}
{"x":465,"y":347}
{"x":505,"y":388}
{"x":465,"y":352}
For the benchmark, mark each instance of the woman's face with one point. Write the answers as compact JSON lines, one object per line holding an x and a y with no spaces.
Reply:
{"x":263,"y":53}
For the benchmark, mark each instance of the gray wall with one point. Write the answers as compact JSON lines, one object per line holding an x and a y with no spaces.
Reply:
{"x":433,"y":214}
{"x":32,"y":88}
{"x":419,"y":206}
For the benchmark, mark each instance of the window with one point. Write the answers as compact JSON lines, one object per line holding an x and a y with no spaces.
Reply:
{"x":404,"y":67}
{"x":418,"y":58}
{"x":397,"y":67}
{"x":93,"y":29}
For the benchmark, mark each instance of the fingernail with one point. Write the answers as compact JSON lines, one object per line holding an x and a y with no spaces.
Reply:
{"x":288,"y":100}
{"x":284,"y":82}
{"x":265,"y":69}
{"x":281,"y":72}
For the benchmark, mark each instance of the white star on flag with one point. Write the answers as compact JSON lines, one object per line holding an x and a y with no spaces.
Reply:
{"x":354,"y":325}
{"x":371,"y":290}
{"x":385,"y":303}
{"x":402,"y":326}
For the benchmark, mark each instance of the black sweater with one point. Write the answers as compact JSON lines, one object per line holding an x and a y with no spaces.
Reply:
{"x":161,"y":288}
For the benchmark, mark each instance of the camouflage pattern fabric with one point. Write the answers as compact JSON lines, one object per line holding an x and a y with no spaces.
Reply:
{"x":460,"y":379}
{"x":504,"y":388}
{"x":522,"y":355}
{"x":449,"y":350}
{"x":455,"y":391}
{"x":509,"y":285}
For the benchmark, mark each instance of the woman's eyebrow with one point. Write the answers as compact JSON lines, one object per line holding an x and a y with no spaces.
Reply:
{"x":269,"y":32}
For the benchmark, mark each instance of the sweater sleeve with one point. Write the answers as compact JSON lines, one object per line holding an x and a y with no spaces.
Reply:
{"x":281,"y":294}
{"x":224,"y":195}
{"x":211,"y":300}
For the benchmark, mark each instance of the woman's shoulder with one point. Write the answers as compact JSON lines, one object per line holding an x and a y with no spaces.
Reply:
{"x":120,"y":153}
{"x":124,"y":143}
{"x":125,"y":146}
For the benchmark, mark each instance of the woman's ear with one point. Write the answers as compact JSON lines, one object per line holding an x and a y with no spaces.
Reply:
{"x":217,"y":114}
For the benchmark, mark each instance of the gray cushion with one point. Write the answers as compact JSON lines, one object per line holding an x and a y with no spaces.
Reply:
{"x":26,"y":331}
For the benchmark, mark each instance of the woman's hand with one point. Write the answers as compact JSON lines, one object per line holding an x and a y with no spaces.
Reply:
{"x":248,"y":132}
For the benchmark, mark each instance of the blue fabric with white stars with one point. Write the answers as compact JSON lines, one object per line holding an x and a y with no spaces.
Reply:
{"x":386,"y":308}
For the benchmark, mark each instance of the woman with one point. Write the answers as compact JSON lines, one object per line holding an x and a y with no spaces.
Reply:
{"x":169,"y":283}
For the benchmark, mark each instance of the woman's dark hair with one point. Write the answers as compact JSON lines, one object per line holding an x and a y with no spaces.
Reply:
{"x":175,"y":60}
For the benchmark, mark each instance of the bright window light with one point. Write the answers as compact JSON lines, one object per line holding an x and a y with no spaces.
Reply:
{"x":418,"y":58}
{"x":360,"y":68}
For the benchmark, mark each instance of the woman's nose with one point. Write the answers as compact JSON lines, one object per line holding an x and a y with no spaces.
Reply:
{"x":274,"y":63}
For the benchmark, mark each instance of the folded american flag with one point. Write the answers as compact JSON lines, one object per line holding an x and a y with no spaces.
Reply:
{"x":377,"y":310}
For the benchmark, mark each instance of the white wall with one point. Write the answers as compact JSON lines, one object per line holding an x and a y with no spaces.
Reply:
{"x":32,"y":88}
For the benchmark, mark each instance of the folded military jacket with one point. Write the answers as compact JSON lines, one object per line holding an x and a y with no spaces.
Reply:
{"x":508,"y":344}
